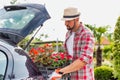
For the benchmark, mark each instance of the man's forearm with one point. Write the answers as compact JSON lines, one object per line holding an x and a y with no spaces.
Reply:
{"x":76,"y":65}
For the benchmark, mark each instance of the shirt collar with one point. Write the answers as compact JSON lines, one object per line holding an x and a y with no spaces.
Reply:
{"x":79,"y":30}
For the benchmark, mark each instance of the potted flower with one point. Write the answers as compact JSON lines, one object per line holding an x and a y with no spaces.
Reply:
{"x":45,"y":56}
{"x":47,"y":59}
{"x":59,"y":59}
{"x":41,"y":55}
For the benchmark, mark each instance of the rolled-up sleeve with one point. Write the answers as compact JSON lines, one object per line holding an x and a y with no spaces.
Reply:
{"x":86,"y":48}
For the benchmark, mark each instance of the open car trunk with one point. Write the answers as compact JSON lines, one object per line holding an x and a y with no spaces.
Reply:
{"x":18,"y":21}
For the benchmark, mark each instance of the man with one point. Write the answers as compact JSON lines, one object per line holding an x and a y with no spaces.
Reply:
{"x":79,"y":44}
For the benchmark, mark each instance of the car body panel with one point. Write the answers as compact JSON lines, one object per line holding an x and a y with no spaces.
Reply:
{"x":19,"y":65}
{"x":9,"y":58}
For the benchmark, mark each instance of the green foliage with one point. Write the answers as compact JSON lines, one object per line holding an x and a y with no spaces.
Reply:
{"x":103,"y":73}
{"x":24,"y":42}
{"x":107,"y":52}
{"x":107,"y":49}
{"x":98,"y":31}
{"x":13,"y":1}
{"x":43,"y":36}
{"x":109,"y":36}
{"x":116,"y":49}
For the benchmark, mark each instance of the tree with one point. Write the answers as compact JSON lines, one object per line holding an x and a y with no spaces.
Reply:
{"x":13,"y":1}
{"x":98,"y":33}
{"x":116,"y":49}
{"x":109,"y":36}
{"x":43,"y":36}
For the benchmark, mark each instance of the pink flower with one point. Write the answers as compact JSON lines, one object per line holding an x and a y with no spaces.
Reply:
{"x":55,"y":59}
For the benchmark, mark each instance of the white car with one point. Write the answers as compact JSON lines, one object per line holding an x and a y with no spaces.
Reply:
{"x":16,"y":22}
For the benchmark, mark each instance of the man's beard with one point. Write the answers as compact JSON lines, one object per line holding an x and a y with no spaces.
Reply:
{"x":70,"y":28}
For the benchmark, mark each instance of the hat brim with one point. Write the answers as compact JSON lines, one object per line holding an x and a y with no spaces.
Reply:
{"x":71,"y":18}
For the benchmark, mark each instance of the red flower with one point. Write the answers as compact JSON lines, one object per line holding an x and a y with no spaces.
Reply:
{"x":33,"y":51}
{"x":62,"y":56}
{"x":69,"y":57}
{"x":42,"y":50}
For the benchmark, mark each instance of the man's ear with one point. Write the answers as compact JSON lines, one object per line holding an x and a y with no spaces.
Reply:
{"x":77,"y":19}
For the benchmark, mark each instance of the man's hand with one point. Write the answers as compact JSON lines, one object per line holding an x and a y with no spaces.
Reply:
{"x":55,"y":75}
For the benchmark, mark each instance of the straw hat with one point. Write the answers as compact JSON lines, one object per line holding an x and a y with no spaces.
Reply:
{"x":70,"y":13}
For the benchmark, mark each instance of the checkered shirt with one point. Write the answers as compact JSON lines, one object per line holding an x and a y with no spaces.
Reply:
{"x":83,"y":48}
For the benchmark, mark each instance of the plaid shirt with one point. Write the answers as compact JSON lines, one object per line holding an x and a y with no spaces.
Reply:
{"x":83,"y":49}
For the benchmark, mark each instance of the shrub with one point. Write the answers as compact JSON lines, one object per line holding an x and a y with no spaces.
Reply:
{"x":116,"y":49}
{"x":103,"y":73}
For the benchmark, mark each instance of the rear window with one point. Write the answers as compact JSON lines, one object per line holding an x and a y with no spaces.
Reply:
{"x":16,"y":19}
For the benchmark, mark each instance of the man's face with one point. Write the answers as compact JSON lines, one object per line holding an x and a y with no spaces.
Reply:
{"x":70,"y":24}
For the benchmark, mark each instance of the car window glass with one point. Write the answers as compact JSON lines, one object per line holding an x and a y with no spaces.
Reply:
{"x":19,"y":18}
{"x":3,"y":64}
